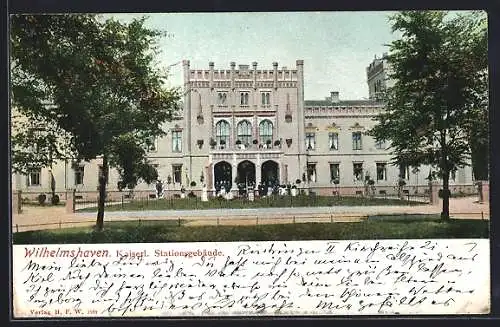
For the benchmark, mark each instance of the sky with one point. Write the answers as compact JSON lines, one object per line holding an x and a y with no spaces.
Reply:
{"x":336,"y":46}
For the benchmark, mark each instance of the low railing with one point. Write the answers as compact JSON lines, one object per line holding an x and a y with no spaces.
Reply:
{"x":240,"y":199}
{"x":244,"y":148}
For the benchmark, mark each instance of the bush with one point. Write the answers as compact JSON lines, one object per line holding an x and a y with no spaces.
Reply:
{"x":191,"y":195}
{"x":55,"y":200}
{"x":42,"y":198}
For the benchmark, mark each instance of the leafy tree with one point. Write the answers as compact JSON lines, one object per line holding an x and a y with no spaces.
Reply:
{"x":439,"y":68}
{"x":105,"y":94}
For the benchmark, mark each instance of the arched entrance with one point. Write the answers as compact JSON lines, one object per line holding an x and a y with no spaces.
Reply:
{"x":270,"y":173}
{"x":246,"y":174}
{"x":222,"y":176}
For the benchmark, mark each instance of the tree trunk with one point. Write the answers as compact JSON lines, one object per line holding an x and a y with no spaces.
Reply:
{"x":445,"y":170}
{"x":445,"y":214}
{"x":102,"y":194}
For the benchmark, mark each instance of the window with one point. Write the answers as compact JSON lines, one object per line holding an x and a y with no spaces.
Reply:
{"x":151,"y":144}
{"x":177,"y":173}
{"x":222,"y":132}
{"x":378,"y":86}
{"x":310,"y":141}
{"x":453,"y":175}
{"x":79,"y":172}
{"x":381,"y":171}
{"x":222,"y":98}
{"x":245,"y":132}
{"x":265,"y":98}
{"x":34,"y":177}
{"x":358,"y":171}
{"x":333,"y":141}
{"x":311,"y":172}
{"x":244,"y":98}
{"x":404,"y":171}
{"x":176,"y":141}
{"x":356,"y":140}
{"x":334,"y":173}
{"x":266,"y":131}
{"x":101,"y":172}
{"x":380,"y":145}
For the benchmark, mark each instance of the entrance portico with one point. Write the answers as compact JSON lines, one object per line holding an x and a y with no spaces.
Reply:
{"x":248,"y":172}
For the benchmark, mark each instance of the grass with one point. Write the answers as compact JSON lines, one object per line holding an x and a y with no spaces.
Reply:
{"x":387,"y":227}
{"x":276,"y":201}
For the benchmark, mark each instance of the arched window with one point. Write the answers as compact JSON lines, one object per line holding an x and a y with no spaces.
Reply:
{"x":245,"y":132}
{"x":222,"y":132}
{"x":266,"y":131}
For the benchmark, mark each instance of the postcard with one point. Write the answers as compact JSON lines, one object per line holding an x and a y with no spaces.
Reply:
{"x":250,"y":164}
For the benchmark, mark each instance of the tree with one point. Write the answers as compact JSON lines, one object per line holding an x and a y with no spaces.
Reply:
{"x":104,"y":91}
{"x":439,"y":69}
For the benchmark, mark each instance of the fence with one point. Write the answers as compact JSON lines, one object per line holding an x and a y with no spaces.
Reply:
{"x":312,"y":196}
{"x":88,"y":201}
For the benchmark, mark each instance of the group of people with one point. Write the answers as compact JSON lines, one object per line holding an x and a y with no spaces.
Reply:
{"x":263,"y":189}
{"x":223,"y":187}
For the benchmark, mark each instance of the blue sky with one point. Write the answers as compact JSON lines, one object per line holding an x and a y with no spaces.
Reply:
{"x":336,"y":46}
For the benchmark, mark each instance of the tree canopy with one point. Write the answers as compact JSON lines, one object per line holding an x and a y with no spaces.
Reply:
{"x":440,"y":73}
{"x":93,"y":81}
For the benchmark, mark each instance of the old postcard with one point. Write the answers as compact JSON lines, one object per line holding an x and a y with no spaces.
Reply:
{"x":250,"y":164}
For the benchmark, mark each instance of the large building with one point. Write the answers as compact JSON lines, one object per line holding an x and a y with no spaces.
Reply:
{"x":249,"y":125}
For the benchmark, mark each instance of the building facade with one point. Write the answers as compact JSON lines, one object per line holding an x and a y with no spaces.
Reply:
{"x":247,"y":125}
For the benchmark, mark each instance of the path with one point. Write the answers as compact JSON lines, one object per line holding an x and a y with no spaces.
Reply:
{"x":35,"y":218}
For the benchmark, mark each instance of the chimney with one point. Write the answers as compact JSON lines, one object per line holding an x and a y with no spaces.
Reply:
{"x":334,"y":97}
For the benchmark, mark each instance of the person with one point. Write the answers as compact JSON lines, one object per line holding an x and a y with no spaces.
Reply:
{"x":159,"y":189}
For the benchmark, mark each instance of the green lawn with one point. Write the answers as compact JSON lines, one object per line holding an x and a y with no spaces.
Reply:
{"x":388,"y":227}
{"x":276,"y":201}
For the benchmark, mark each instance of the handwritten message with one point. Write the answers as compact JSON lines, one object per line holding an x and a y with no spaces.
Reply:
{"x":254,"y":278}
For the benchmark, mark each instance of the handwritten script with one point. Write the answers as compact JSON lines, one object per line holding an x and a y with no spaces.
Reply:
{"x":253,"y":278}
